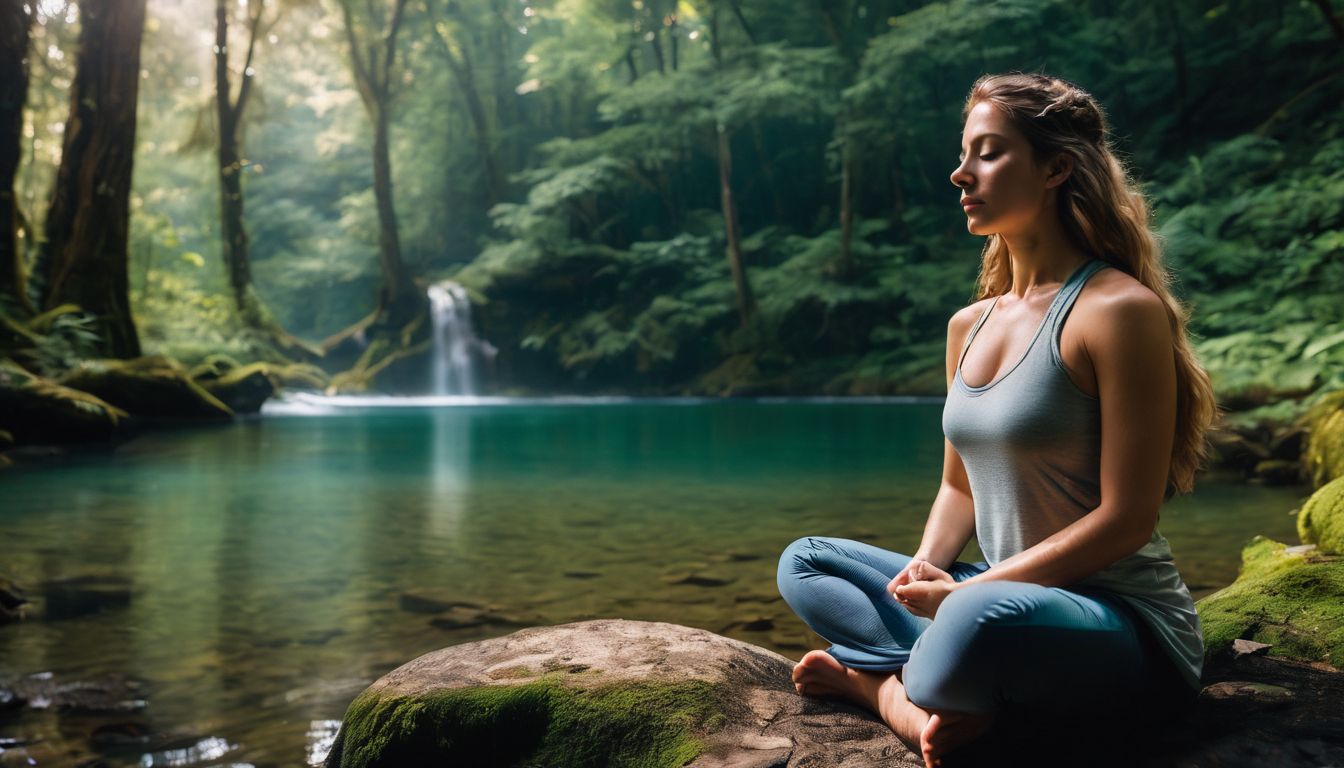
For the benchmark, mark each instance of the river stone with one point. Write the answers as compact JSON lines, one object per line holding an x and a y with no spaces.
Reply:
{"x":12,"y":600}
{"x":1321,"y":521}
{"x":1278,"y":472}
{"x":1236,"y":451}
{"x":1292,"y":599}
{"x":605,"y":692}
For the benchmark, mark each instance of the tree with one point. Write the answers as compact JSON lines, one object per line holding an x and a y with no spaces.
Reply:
{"x":84,"y":261}
{"x":458,"y":55}
{"x":372,"y":35}
{"x":15,"y":21}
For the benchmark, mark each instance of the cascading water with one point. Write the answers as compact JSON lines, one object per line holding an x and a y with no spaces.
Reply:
{"x":457,"y":348}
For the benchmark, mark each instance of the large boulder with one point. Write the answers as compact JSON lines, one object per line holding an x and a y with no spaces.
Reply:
{"x":1324,"y":454}
{"x":606,"y":692}
{"x":153,"y":388}
{"x":35,"y":410}
{"x":627,"y":693}
{"x":1289,"y":597}
{"x":1321,"y":521}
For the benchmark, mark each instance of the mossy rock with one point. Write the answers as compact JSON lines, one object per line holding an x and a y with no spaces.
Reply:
{"x":153,"y":387}
{"x":1324,"y":454}
{"x":1321,"y":521}
{"x":244,"y":388}
{"x":1289,"y":597}
{"x":604,"y":693}
{"x":38,"y":411}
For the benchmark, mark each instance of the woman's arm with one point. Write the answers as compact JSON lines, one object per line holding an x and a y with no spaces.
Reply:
{"x":951,"y":520}
{"x":1127,"y":337}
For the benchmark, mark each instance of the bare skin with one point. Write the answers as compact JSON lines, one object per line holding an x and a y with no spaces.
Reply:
{"x":932,"y":733}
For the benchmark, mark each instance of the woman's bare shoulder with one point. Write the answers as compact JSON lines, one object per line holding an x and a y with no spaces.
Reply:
{"x":1114,"y":301}
{"x":964,"y":318}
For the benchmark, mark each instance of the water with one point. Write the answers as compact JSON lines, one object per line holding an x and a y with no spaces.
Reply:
{"x":267,"y":558}
{"x":457,"y":349}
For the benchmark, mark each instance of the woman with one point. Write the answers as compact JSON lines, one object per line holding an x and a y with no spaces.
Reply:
{"x":1063,"y":440}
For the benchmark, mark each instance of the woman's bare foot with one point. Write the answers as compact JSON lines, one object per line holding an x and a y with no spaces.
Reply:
{"x":819,"y":674}
{"x":946,"y":731}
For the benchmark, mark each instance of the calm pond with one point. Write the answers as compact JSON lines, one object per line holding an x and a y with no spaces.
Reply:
{"x":268,"y":559}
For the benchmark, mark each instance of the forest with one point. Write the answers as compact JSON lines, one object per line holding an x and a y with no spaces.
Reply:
{"x":728,"y":197}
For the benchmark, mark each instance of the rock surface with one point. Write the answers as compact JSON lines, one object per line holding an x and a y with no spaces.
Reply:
{"x":1323,"y":457}
{"x":153,"y":387}
{"x":632,"y":693}
{"x":38,"y":410}
{"x":1321,"y":521}
{"x":612,"y":692}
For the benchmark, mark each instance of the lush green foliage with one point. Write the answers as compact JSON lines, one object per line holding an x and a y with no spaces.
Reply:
{"x":562,"y":160}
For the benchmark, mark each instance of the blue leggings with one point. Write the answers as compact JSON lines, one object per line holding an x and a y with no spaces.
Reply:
{"x":992,"y":645}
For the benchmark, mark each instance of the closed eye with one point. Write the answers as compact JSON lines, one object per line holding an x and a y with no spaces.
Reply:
{"x":990,"y":156}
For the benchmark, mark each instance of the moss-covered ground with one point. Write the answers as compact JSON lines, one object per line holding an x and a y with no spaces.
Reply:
{"x":543,"y":723}
{"x":1289,"y":599}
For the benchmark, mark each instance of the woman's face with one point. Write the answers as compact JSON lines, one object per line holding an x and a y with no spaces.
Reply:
{"x":1003,"y":190}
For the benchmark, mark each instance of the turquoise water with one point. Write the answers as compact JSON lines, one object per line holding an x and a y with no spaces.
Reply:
{"x":267,"y":559}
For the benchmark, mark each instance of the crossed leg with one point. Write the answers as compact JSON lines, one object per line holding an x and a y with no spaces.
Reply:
{"x":932,"y":734}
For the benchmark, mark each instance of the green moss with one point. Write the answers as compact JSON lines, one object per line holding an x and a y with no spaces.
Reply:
{"x":1291,"y":600}
{"x":1324,"y":455}
{"x":544,"y":724}
{"x":1321,"y":521}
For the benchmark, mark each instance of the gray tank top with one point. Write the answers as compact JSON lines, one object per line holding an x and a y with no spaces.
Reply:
{"x":1031,"y":444}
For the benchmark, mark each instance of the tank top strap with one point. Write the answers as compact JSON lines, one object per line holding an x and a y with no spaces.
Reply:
{"x":1068,"y":294}
{"x":970,"y":336}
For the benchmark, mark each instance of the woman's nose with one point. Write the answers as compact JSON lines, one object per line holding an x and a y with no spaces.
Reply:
{"x":960,"y":178}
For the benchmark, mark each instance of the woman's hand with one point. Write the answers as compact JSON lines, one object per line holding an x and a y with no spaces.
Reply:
{"x":921,"y":587}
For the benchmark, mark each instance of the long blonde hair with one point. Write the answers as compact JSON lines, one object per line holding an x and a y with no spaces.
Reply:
{"x":1105,"y":214}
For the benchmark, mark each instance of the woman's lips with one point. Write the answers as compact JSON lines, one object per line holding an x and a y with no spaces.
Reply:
{"x":969,"y":204}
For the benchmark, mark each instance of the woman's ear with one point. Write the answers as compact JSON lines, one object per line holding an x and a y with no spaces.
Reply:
{"x":1060,"y":169}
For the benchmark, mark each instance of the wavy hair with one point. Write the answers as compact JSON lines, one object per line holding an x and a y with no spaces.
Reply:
{"x":1104,"y":213}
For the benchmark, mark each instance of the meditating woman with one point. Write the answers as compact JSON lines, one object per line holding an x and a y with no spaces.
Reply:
{"x":1075,"y":407}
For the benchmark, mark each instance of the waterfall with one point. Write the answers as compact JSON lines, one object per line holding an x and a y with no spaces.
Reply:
{"x":457,"y":349}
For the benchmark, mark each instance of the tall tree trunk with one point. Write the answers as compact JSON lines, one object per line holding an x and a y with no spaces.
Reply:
{"x":87,"y":224}
{"x":396,"y":282}
{"x":846,"y":265}
{"x":372,"y":62}
{"x":1331,"y":19}
{"x":672,"y":38}
{"x":464,"y":74}
{"x":657,"y":44}
{"x":746,"y":307}
{"x":229,"y":113}
{"x":15,"y":22}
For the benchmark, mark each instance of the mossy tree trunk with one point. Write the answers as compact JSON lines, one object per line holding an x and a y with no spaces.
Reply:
{"x":15,"y":22}
{"x":85,"y":258}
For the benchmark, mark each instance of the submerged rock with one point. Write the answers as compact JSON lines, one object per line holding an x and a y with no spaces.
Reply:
{"x":12,"y":600}
{"x":1289,"y":597}
{"x":82,"y":595}
{"x":1321,"y":521}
